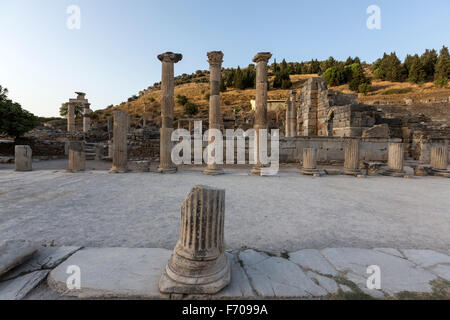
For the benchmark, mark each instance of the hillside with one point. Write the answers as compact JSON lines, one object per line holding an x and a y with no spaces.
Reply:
{"x":384,"y":93}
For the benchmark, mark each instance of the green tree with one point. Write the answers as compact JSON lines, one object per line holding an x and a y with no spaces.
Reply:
{"x":65,"y":107}
{"x":190,"y":108}
{"x":358,"y":81}
{"x":416,"y":73}
{"x":389,"y":68}
{"x":442,"y":72}
{"x":428,"y":60}
{"x":14,"y":121}
{"x":314,"y":66}
{"x":182,"y":100}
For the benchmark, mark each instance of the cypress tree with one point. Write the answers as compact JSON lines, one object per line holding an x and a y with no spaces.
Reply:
{"x":442,"y":72}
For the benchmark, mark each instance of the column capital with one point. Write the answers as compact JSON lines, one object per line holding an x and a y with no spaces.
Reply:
{"x":170,"y":57}
{"x":215,"y":57}
{"x":262,"y":57}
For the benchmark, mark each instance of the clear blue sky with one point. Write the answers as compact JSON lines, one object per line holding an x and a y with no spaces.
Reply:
{"x":113,"y":55}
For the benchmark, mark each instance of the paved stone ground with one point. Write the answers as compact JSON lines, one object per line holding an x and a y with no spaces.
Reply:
{"x":288,"y":212}
{"x":333,"y":273}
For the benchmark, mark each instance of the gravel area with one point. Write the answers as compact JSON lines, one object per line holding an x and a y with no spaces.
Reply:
{"x":287,"y":212}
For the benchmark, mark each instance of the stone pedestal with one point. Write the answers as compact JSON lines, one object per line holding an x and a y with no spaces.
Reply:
{"x":77,"y":157}
{"x":199,"y":264}
{"x":215,"y":59}
{"x":23,"y":158}
{"x":351,"y":163}
{"x":309,"y":162}
{"x":439,"y":159}
{"x":71,"y":117}
{"x":120,"y":152}
{"x":260,"y":122}
{"x":395,"y":160}
{"x":168,"y":60}
{"x":291,"y":115}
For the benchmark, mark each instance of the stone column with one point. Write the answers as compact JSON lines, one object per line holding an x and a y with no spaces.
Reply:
{"x":199,"y":264}
{"x":395,"y":160}
{"x":77,"y":157}
{"x":439,"y":156}
{"x":168,"y":60}
{"x":87,"y":118}
{"x":215,"y":59}
{"x":120,"y":154}
{"x":260,"y":122}
{"x":71,"y":117}
{"x":291,"y":115}
{"x":439,"y":159}
{"x":351,"y":163}
{"x":309,"y":162}
{"x":23,"y":158}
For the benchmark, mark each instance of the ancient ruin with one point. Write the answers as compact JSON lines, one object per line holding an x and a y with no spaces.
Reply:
{"x":120,"y":145}
{"x":215,"y":59}
{"x":309,"y":166}
{"x":291,"y":115}
{"x":351,"y":163}
{"x":395,"y":160}
{"x":439,"y":158}
{"x":168,"y":60}
{"x":260,"y":122}
{"x":23,"y":158}
{"x":199,"y":263}
{"x":77,"y":157}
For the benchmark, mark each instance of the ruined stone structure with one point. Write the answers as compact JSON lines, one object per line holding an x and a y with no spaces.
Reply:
{"x":77,"y":157}
{"x":215,"y":59}
{"x":395,"y":160}
{"x":84,"y":103}
{"x":309,"y":162}
{"x":168,"y":60}
{"x":260,"y":122}
{"x":120,"y":143}
{"x":291,"y":115}
{"x":199,"y":263}
{"x":351,"y":164}
{"x":324,"y":112}
{"x":439,"y":158}
{"x":23,"y":158}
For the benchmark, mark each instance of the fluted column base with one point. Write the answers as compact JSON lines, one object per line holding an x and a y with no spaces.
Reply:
{"x":167,"y":170}
{"x":115,"y":169}
{"x":393,"y":173}
{"x":214,"y":276}
{"x":352,"y":172}
{"x":309,"y":172}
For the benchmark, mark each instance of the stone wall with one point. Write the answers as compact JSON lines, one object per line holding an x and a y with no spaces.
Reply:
{"x":40,"y":148}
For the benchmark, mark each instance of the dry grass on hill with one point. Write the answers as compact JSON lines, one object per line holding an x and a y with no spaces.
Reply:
{"x":393,"y":92}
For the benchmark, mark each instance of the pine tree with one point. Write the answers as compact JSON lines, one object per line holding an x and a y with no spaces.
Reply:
{"x":442,"y":71}
{"x":416,"y":73}
{"x":428,"y":60}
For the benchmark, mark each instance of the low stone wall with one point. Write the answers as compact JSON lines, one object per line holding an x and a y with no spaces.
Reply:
{"x":332,"y":148}
{"x":50,"y":148}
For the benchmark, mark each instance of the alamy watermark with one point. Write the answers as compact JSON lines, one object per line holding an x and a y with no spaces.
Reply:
{"x":73,"y":21}
{"x":374,"y":280}
{"x":214,"y":152}
{"x":374,"y":20}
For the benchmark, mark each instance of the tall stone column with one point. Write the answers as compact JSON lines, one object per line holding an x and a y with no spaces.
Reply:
{"x":168,"y":60}
{"x":309,"y":162}
{"x":23,"y":158}
{"x":199,"y":264}
{"x":260,"y":122}
{"x":395,"y":160}
{"x":71,"y":117}
{"x":77,"y":157}
{"x":215,"y":59}
{"x":439,"y":159}
{"x":120,"y":152}
{"x":87,"y":118}
{"x":351,"y":163}
{"x":291,"y":115}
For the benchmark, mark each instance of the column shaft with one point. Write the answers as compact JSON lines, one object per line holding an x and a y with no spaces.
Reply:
{"x":120,"y":152}
{"x":351,"y":163}
{"x":23,"y":158}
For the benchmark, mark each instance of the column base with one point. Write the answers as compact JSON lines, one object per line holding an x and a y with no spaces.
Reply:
{"x":213,"y":171}
{"x":115,"y":169}
{"x":441,"y":173}
{"x":74,"y":171}
{"x":352,"y":172}
{"x":209,"y":281}
{"x":167,"y":170}
{"x":393,"y":173}
{"x":310,"y":172}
